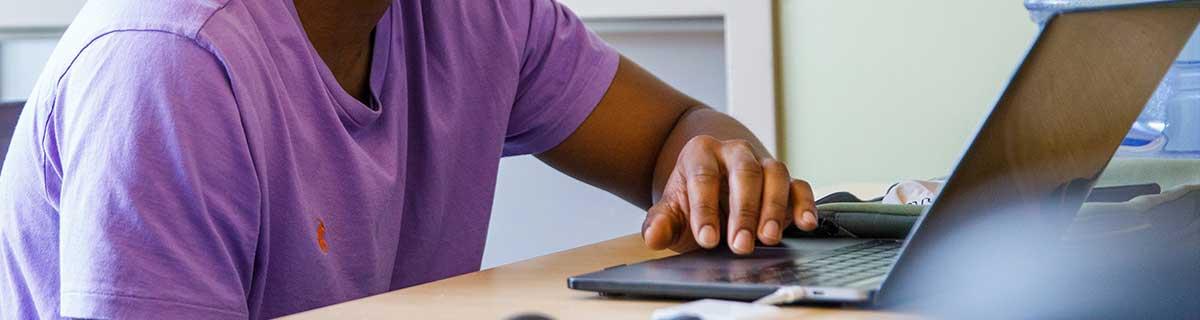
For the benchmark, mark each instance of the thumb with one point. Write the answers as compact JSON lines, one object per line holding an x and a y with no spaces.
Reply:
{"x":661,"y":228}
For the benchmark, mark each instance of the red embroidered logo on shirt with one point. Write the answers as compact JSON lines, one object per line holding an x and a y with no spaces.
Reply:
{"x":321,"y":236}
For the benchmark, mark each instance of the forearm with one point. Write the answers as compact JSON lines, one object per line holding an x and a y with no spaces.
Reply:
{"x":720,"y":181}
{"x":617,"y":147}
{"x":697,"y":121}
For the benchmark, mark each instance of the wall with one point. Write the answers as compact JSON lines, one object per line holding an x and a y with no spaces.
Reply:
{"x":24,"y":15}
{"x":21,"y":61}
{"x":887,"y":90}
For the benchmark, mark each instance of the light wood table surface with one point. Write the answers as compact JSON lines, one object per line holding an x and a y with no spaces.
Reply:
{"x":539,"y":285}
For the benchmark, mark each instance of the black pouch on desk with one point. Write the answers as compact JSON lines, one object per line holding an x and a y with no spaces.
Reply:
{"x":844,"y":215}
{"x":1165,"y":219}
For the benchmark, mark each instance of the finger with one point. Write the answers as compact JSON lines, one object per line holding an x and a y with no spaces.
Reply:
{"x":684,"y":240}
{"x":703,"y":174}
{"x":681,"y":235}
{"x":685,"y":243}
{"x":662,"y":225}
{"x":803,"y":209}
{"x":774,"y":213}
{"x":745,"y":176}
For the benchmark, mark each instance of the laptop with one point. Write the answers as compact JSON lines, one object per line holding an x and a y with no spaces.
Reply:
{"x":1013,"y":192}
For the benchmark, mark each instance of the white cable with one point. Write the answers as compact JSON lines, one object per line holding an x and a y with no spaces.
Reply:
{"x":785,"y":294}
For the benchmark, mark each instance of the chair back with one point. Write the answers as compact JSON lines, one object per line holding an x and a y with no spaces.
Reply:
{"x":9,"y":113}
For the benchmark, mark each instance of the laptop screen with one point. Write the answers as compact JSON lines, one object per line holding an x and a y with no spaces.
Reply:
{"x":1049,"y":136}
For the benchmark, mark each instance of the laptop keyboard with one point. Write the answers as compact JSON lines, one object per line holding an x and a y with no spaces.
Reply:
{"x":839,"y":267}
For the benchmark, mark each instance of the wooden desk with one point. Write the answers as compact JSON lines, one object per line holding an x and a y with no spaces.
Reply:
{"x":539,"y":285}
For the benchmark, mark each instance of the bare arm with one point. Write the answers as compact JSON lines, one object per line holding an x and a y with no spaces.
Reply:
{"x":696,"y":170}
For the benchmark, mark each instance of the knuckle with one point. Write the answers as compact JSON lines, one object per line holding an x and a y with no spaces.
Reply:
{"x":748,"y":170}
{"x":742,"y":144}
{"x":704,"y":209}
{"x":751,"y":204}
{"x":678,"y":194}
{"x":747,"y":214}
{"x":775,"y":206}
{"x":739,"y":149}
{"x":672,"y":208}
{"x":678,"y":179}
{"x":774,"y":165}
{"x":677,"y":212}
{"x":701,"y":140}
{"x":801,"y":183}
{"x":704,"y":175}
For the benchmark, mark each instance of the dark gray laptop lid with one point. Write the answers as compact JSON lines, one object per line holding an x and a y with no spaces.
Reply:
{"x":1047,"y":139}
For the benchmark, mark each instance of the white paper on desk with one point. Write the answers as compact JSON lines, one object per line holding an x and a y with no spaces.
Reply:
{"x":711,"y":309}
{"x":913,"y":192}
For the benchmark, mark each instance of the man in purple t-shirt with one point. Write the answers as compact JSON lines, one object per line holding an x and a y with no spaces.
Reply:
{"x":253,"y":158}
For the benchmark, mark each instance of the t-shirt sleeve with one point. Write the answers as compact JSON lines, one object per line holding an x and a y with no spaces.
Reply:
{"x":565,"y":71}
{"x":159,"y":203}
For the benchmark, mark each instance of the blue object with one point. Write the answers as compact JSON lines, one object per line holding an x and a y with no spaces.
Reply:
{"x":1183,"y":107}
{"x":1041,"y":10}
{"x":1169,"y":126}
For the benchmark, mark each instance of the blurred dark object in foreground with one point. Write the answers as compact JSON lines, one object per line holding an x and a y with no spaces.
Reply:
{"x":1139,"y":260}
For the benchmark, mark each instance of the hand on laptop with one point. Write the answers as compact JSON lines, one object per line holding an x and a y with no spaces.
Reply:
{"x":725,"y":186}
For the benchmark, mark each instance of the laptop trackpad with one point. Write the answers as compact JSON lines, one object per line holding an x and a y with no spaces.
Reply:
{"x":704,"y":265}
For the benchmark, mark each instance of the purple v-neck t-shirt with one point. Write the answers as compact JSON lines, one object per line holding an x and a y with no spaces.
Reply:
{"x":197,"y":159}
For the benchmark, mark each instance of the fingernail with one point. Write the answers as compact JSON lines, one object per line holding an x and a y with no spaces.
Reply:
{"x":771,"y":229}
{"x":708,"y":236}
{"x":649,"y":230}
{"x":810,"y":218}
{"x":744,"y":242}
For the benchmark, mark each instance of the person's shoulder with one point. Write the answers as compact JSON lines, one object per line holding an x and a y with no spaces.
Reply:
{"x":157,"y":23}
{"x":140,"y":53}
{"x":183,"y":17}
{"x":133,"y":71}
{"x":137,"y":48}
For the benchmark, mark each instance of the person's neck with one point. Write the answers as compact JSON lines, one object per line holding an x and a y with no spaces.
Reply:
{"x":341,"y":31}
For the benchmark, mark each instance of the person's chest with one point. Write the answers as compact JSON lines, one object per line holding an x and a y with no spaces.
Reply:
{"x":357,"y":201}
